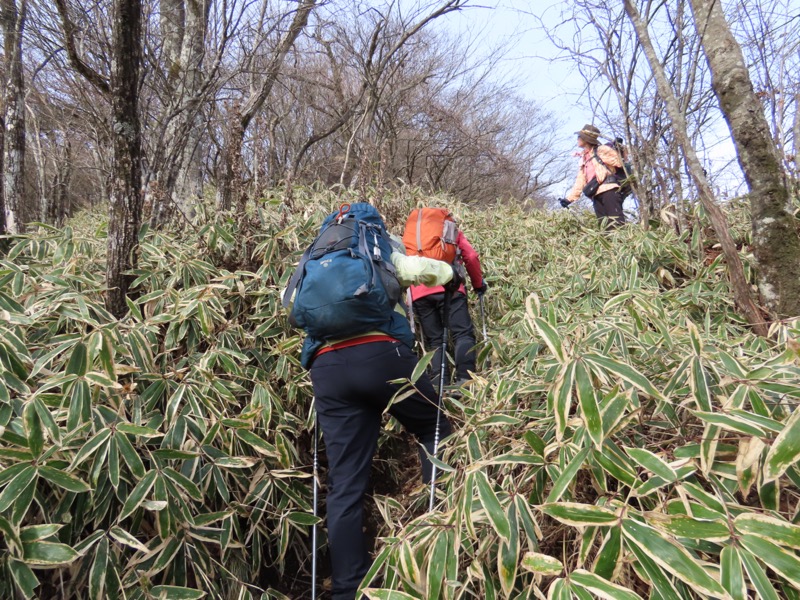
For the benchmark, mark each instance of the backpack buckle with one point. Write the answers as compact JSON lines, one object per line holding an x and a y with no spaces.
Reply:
{"x":376,"y":249}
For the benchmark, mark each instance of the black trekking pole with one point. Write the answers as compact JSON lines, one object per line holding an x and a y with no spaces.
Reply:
{"x":316,"y":497}
{"x":448,"y":296}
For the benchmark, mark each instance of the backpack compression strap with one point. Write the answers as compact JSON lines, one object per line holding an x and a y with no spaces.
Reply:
{"x":419,"y":231}
{"x":296,"y":276}
{"x":364,"y":231}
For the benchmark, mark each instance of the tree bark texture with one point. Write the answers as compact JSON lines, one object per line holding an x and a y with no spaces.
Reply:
{"x":235,"y":135}
{"x":184,"y":24}
{"x":739,"y":285}
{"x":796,"y":148}
{"x":776,"y":243}
{"x":125,"y":210}
{"x":796,"y":137}
{"x":3,"y":227}
{"x":55,"y":194}
{"x":16,"y":209}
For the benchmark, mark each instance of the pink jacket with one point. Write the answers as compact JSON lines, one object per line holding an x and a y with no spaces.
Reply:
{"x":471,"y":261}
{"x":591,"y":167}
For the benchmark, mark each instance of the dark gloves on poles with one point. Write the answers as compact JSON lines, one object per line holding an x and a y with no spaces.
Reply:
{"x":484,"y":286}
{"x":564,"y":202}
{"x":455,"y":282}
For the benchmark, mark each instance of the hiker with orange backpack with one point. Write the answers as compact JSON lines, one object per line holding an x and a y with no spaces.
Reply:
{"x":345,"y":294}
{"x":433,"y":232}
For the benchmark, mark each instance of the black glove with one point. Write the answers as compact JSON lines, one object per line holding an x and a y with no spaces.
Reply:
{"x":482,"y":290}
{"x":564,"y":202}
{"x":455,"y":283}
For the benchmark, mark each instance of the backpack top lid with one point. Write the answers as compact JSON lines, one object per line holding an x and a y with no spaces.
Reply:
{"x":361,"y":211}
{"x":345,"y":282}
{"x":431,"y":232}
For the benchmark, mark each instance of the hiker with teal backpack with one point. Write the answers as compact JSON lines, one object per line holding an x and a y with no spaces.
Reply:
{"x":600,"y":177}
{"x":345,"y":294}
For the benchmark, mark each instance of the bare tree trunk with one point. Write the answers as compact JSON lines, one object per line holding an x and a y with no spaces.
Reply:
{"x":776,"y":244}
{"x":3,"y":226}
{"x":125,"y":210}
{"x":17,"y":212}
{"x":741,"y":289}
{"x":188,"y":188}
{"x":230,"y":180}
{"x":254,"y":103}
{"x":40,"y":161}
{"x":796,"y":137}
{"x":184,"y":24}
{"x":60,"y":207}
{"x":796,"y":133}
{"x":172,"y":15}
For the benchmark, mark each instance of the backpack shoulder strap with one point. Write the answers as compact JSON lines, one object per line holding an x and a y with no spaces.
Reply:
{"x":396,"y":245}
{"x":600,"y":160}
{"x":609,"y":169}
{"x":612,"y":172}
{"x":383,"y":268}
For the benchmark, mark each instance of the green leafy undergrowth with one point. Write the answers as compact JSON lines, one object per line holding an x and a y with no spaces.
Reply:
{"x":163,"y":455}
{"x":626,"y":435}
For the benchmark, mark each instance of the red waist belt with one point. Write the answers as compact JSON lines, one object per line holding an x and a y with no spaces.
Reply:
{"x":366,"y":339}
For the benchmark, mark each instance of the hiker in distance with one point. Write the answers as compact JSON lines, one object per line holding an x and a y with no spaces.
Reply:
{"x":596,"y":177}
{"x":346,"y":293}
{"x":426,"y":235}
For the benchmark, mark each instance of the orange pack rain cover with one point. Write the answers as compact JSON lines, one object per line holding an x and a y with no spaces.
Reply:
{"x":431,"y":232}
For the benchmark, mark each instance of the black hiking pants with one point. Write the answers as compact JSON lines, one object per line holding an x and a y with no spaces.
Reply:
{"x":609,"y":205}
{"x":430,"y":310}
{"x":351,"y":391}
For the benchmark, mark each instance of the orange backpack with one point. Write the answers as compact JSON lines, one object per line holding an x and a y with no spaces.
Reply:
{"x":431,"y":232}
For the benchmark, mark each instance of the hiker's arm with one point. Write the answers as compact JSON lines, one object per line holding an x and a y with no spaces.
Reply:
{"x":577,"y":187}
{"x":471,"y":260}
{"x":419,"y":270}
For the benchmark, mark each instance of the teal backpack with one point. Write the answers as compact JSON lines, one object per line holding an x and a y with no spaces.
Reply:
{"x":345,"y":283}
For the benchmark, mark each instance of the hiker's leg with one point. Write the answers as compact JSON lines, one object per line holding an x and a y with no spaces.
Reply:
{"x":418,"y":412}
{"x":350,"y":433}
{"x":429,"y":310}
{"x":382,"y":362}
{"x":611,"y":207}
{"x":463,"y":334}
{"x":599,"y":209}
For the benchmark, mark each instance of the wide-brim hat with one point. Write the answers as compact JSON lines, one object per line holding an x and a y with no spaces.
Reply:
{"x":589,"y":134}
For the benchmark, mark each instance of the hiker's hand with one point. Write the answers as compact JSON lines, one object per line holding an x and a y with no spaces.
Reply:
{"x":455,"y":282}
{"x":482,"y":290}
{"x":564,"y":202}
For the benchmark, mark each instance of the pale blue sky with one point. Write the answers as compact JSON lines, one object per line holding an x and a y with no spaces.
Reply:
{"x":549,"y":76}
{"x":532,"y":61}
{"x":542,"y":72}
